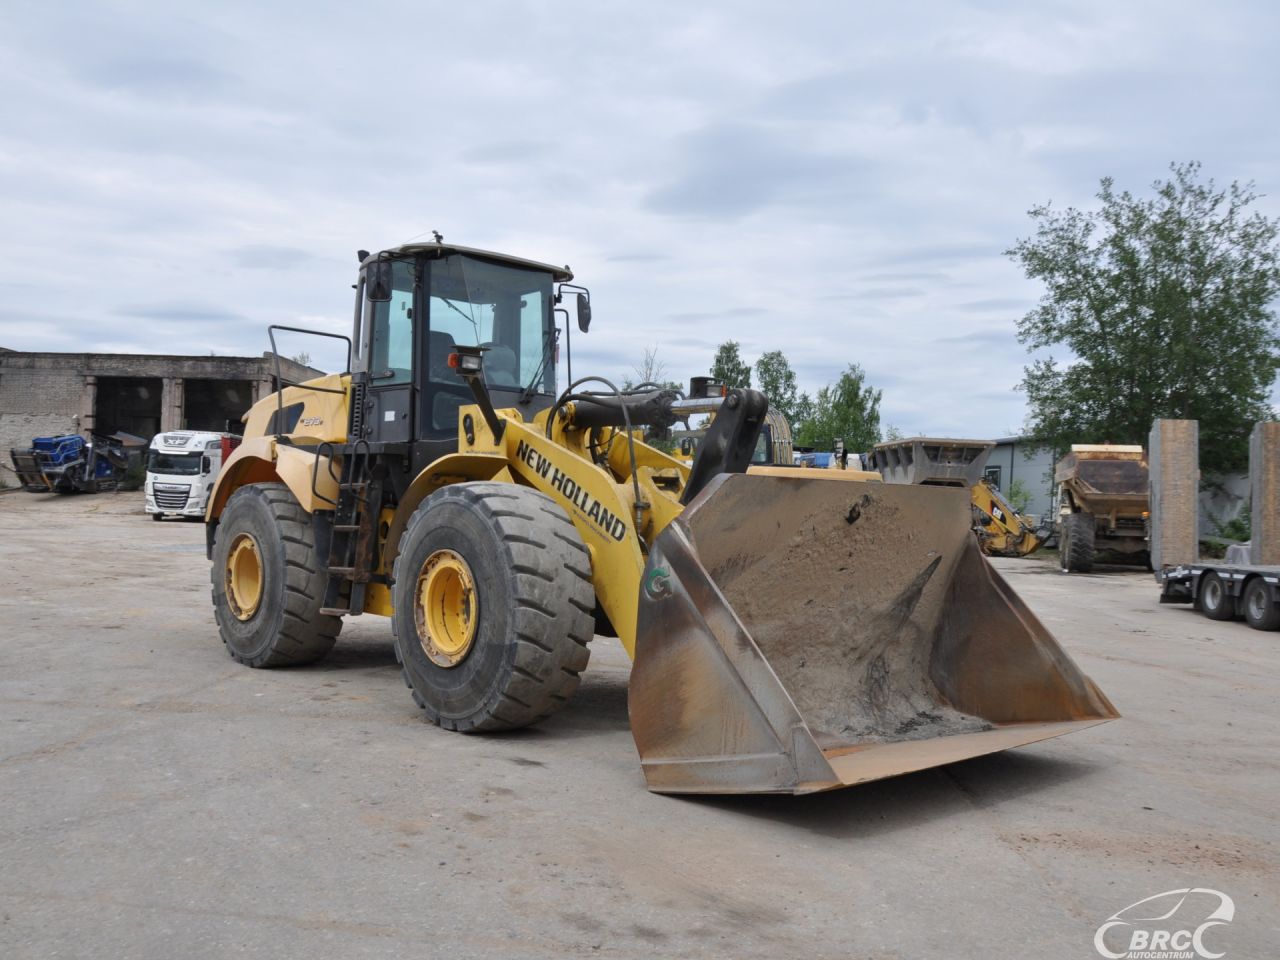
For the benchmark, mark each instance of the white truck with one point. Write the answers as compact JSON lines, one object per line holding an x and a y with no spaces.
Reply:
{"x":181,"y":467}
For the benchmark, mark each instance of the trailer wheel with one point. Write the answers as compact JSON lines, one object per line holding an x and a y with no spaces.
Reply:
{"x":1215,"y":602}
{"x":492,"y":606}
{"x":268,"y":583}
{"x":1260,"y":610}
{"x":1076,"y":549}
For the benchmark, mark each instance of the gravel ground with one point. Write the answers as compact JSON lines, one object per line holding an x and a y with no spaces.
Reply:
{"x":161,"y":801}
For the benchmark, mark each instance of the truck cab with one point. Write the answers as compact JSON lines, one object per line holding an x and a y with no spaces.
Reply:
{"x":181,"y":467}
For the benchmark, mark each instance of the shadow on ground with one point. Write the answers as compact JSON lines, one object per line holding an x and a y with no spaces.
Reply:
{"x":900,"y":803}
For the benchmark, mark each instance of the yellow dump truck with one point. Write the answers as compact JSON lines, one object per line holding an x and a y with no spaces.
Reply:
{"x":1103,"y":505}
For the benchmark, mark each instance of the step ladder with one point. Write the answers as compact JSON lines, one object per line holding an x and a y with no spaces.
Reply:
{"x":351,"y":544}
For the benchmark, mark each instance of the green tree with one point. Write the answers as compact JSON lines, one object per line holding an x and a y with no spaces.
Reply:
{"x":729,"y":367}
{"x":778,"y":382}
{"x":1164,"y":303}
{"x":1019,"y":496}
{"x":803,"y":412}
{"x":848,"y":410}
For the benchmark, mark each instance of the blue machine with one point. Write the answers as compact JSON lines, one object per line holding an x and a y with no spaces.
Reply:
{"x":69,"y":464}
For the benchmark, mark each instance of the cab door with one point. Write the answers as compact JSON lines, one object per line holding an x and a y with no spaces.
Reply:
{"x":392,"y":349}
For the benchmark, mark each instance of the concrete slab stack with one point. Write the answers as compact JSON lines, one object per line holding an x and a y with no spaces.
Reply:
{"x":1173,"y":453}
{"x":1264,"y":481}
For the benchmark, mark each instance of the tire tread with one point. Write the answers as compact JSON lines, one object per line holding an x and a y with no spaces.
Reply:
{"x":303,"y":634}
{"x":551,"y":611}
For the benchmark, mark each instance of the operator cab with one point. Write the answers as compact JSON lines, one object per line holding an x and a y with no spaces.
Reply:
{"x":415,"y":304}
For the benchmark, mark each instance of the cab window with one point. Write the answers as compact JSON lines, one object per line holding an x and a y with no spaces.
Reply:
{"x":502,"y":308}
{"x":391,"y":356}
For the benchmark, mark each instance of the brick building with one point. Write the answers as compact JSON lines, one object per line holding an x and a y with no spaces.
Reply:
{"x":45,"y":394}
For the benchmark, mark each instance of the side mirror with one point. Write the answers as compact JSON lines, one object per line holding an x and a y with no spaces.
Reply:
{"x":205,"y":464}
{"x":378,"y":281}
{"x":584,"y":312}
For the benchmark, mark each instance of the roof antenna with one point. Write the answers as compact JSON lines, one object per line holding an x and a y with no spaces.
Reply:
{"x":438,"y":235}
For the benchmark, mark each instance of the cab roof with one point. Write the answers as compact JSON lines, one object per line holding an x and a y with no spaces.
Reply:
{"x":560,"y":274}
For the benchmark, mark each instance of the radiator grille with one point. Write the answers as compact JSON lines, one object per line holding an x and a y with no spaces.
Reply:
{"x":171,"y":499}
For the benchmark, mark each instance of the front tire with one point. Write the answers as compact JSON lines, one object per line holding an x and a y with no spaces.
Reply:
{"x":1076,"y":549}
{"x":268,"y":582}
{"x":492,"y":606}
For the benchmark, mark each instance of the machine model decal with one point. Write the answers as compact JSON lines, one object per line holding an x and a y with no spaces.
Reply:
{"x":591,"y":508}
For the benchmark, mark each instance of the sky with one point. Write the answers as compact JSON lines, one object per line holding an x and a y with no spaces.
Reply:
{"x":835,"y":180}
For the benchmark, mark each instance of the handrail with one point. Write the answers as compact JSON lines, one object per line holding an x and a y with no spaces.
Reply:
{"x":275,"y":356}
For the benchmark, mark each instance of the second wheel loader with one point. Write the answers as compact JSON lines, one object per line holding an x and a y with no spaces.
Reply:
{"x":791,"y":631}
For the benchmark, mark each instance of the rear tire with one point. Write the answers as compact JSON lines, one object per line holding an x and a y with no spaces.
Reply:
{"x":1260,"y":610}
{"x":1076,"y":550}
{"x":526,"y":612}
{"x":280,"y":624}
{"x":1215,"y":602}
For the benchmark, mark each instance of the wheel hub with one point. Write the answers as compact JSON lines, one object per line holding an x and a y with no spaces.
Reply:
{"x":445,"y":608}
{"x":244,"y":577}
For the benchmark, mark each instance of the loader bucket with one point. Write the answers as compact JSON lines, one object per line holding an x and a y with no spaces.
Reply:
{"x":798,"y":634}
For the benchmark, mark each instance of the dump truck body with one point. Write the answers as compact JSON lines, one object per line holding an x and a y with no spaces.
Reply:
{"x":947,"y":462}
{"x":933,"y":461}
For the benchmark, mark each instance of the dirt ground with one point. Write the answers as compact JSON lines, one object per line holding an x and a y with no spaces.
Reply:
{"x":161,"y":801}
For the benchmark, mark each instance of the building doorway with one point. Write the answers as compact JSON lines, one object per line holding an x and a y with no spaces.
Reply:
{"x":129,"y":405}
{"x":216,"y":405}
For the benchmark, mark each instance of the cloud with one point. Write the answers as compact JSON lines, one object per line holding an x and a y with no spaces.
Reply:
{"x":983,"y":338}
{"x":180,"y":312}
{"x":263,"y":256}
{"x":637,"y":257}
{"x":159,"y":75}
{"x":733,"y":169}
{"x":995,"y":305}
{"x":839,"y":183}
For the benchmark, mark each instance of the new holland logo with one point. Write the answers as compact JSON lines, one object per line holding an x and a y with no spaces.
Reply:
{"x":609,"y":523}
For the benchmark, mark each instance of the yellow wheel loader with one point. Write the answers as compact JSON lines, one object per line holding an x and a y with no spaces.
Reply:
{"x":1001,"y":530}
{"x":791,"y":631}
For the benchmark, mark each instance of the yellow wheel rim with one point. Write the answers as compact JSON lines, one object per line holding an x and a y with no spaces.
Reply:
{"x":244,"y":576}
{"x":445,"y":608}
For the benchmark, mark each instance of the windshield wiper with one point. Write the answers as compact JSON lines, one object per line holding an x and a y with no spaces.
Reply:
{"x":527,"y":394}
{"x":454,"y":307}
